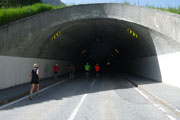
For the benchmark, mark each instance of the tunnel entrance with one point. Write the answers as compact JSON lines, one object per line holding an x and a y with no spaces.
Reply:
{"x":121,"y":35}
{"x":119,"y":45}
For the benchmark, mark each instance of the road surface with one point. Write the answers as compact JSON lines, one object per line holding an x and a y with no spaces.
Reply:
{"x":106,"y":98}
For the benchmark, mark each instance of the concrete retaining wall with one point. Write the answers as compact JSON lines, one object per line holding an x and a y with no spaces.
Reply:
{"x":170,"y":68}
{"x":16,"y":70}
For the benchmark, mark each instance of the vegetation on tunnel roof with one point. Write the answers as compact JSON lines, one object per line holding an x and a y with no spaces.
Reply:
{"x":169,"y":9}
{"x":12,"y":12}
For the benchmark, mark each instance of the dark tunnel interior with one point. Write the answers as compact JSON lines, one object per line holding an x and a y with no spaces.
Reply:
{"x":109,"y":42}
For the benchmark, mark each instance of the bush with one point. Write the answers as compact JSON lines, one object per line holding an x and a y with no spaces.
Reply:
{"x":11,"y":14}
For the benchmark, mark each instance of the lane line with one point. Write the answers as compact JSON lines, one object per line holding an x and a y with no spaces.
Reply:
{"x":161,"y":101}
{"x":93,"y":82}
{"x":171,"y":118}
{"x":139,"y":91}
{"x":73,"y":115}
{"x":23,"y":98}
{"x":156,"y":105}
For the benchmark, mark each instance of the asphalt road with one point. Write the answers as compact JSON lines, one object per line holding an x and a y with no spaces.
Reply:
{"x":106,"y":98}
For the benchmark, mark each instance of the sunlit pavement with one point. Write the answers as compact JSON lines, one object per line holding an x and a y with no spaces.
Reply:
{"x":106,"y":98}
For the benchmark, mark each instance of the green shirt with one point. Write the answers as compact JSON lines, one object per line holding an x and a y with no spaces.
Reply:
{"x":87,"y":67}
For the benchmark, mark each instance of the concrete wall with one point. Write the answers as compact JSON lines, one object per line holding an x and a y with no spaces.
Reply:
{"x":170,"y":68}
{"x":163,"y":68}
{"x":146,"y":67}
{"x":16,"y":70}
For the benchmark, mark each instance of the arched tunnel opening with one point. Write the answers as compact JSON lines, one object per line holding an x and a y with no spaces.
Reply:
{"x":118,"y":46}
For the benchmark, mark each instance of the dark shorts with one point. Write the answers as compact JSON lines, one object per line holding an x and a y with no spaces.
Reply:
{"x":34,"y":81}
{"x":55,"y":72}
{"x":97,"y":71}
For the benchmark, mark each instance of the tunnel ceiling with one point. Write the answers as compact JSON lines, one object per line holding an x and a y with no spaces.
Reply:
{"x":99,"y":38}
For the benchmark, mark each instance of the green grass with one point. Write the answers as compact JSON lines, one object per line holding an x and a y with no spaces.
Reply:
{"x":11,"y":14}
{"x":169,"y":9}
{"x":8,"y":15}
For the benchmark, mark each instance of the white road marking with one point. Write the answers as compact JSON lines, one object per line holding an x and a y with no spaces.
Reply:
{"x":171,"y":118}
{"x":93,"y":82}
{"x":77,"y":108}
{"x":73,"y":115}
{"x":162,"y":109}
{"x":177,"y":110}
{"x":139,"y":91}
{"x":156,"y":105}
{"x":23,"y":98}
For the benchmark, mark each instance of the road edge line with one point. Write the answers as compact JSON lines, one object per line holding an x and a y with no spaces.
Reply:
{"x":161,"y":101}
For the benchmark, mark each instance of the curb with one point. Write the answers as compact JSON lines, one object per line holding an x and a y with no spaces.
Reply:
{"x":162,"y":102}
{"x":11,"y":99}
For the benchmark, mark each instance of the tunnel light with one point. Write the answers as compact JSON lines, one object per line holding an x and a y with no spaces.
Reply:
{"x":132,"y":32}
{"x":83,"y":52}
{"x":116,"y":50}
{"x":55,"y":35}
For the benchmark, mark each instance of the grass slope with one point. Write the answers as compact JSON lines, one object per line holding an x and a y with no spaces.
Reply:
{"x":11,"y":14}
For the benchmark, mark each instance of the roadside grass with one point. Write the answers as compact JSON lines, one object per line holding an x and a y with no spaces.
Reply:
{"x":8,"y":15}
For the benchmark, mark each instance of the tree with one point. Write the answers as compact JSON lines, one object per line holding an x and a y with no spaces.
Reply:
{"x":16,"y":3}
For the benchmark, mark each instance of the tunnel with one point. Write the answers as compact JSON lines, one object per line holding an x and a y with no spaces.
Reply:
{"x":102,"y":41}
{"x":120,"y":38}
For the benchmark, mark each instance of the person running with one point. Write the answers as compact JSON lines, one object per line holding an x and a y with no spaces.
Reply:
{"x":55,"y":68}
{"x":71,"y":71}
{"x":35,"y":74}
{"x":97,"y":69}
{"x":87,"y":69}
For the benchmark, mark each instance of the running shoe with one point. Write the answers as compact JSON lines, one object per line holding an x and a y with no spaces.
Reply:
{"x":30,"y":97}
{"x":37,"y":95}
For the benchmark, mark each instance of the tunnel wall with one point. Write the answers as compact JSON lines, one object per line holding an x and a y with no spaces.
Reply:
{"x":162,"y":68}
{"x":170,"y":68}
{"x":146,"y":67}
{"x":16,"y":70}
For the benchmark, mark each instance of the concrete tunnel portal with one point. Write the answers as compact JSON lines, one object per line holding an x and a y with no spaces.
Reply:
{"x":97,"y":33}
{"x":102,"y":40}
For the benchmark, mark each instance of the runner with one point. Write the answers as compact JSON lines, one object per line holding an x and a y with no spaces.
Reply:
{"x":71,"y":71}
{"x":55,"y":68}
{"x":87,"y":69}
{"x":35,"y":74}
{"x":97,"y":69}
